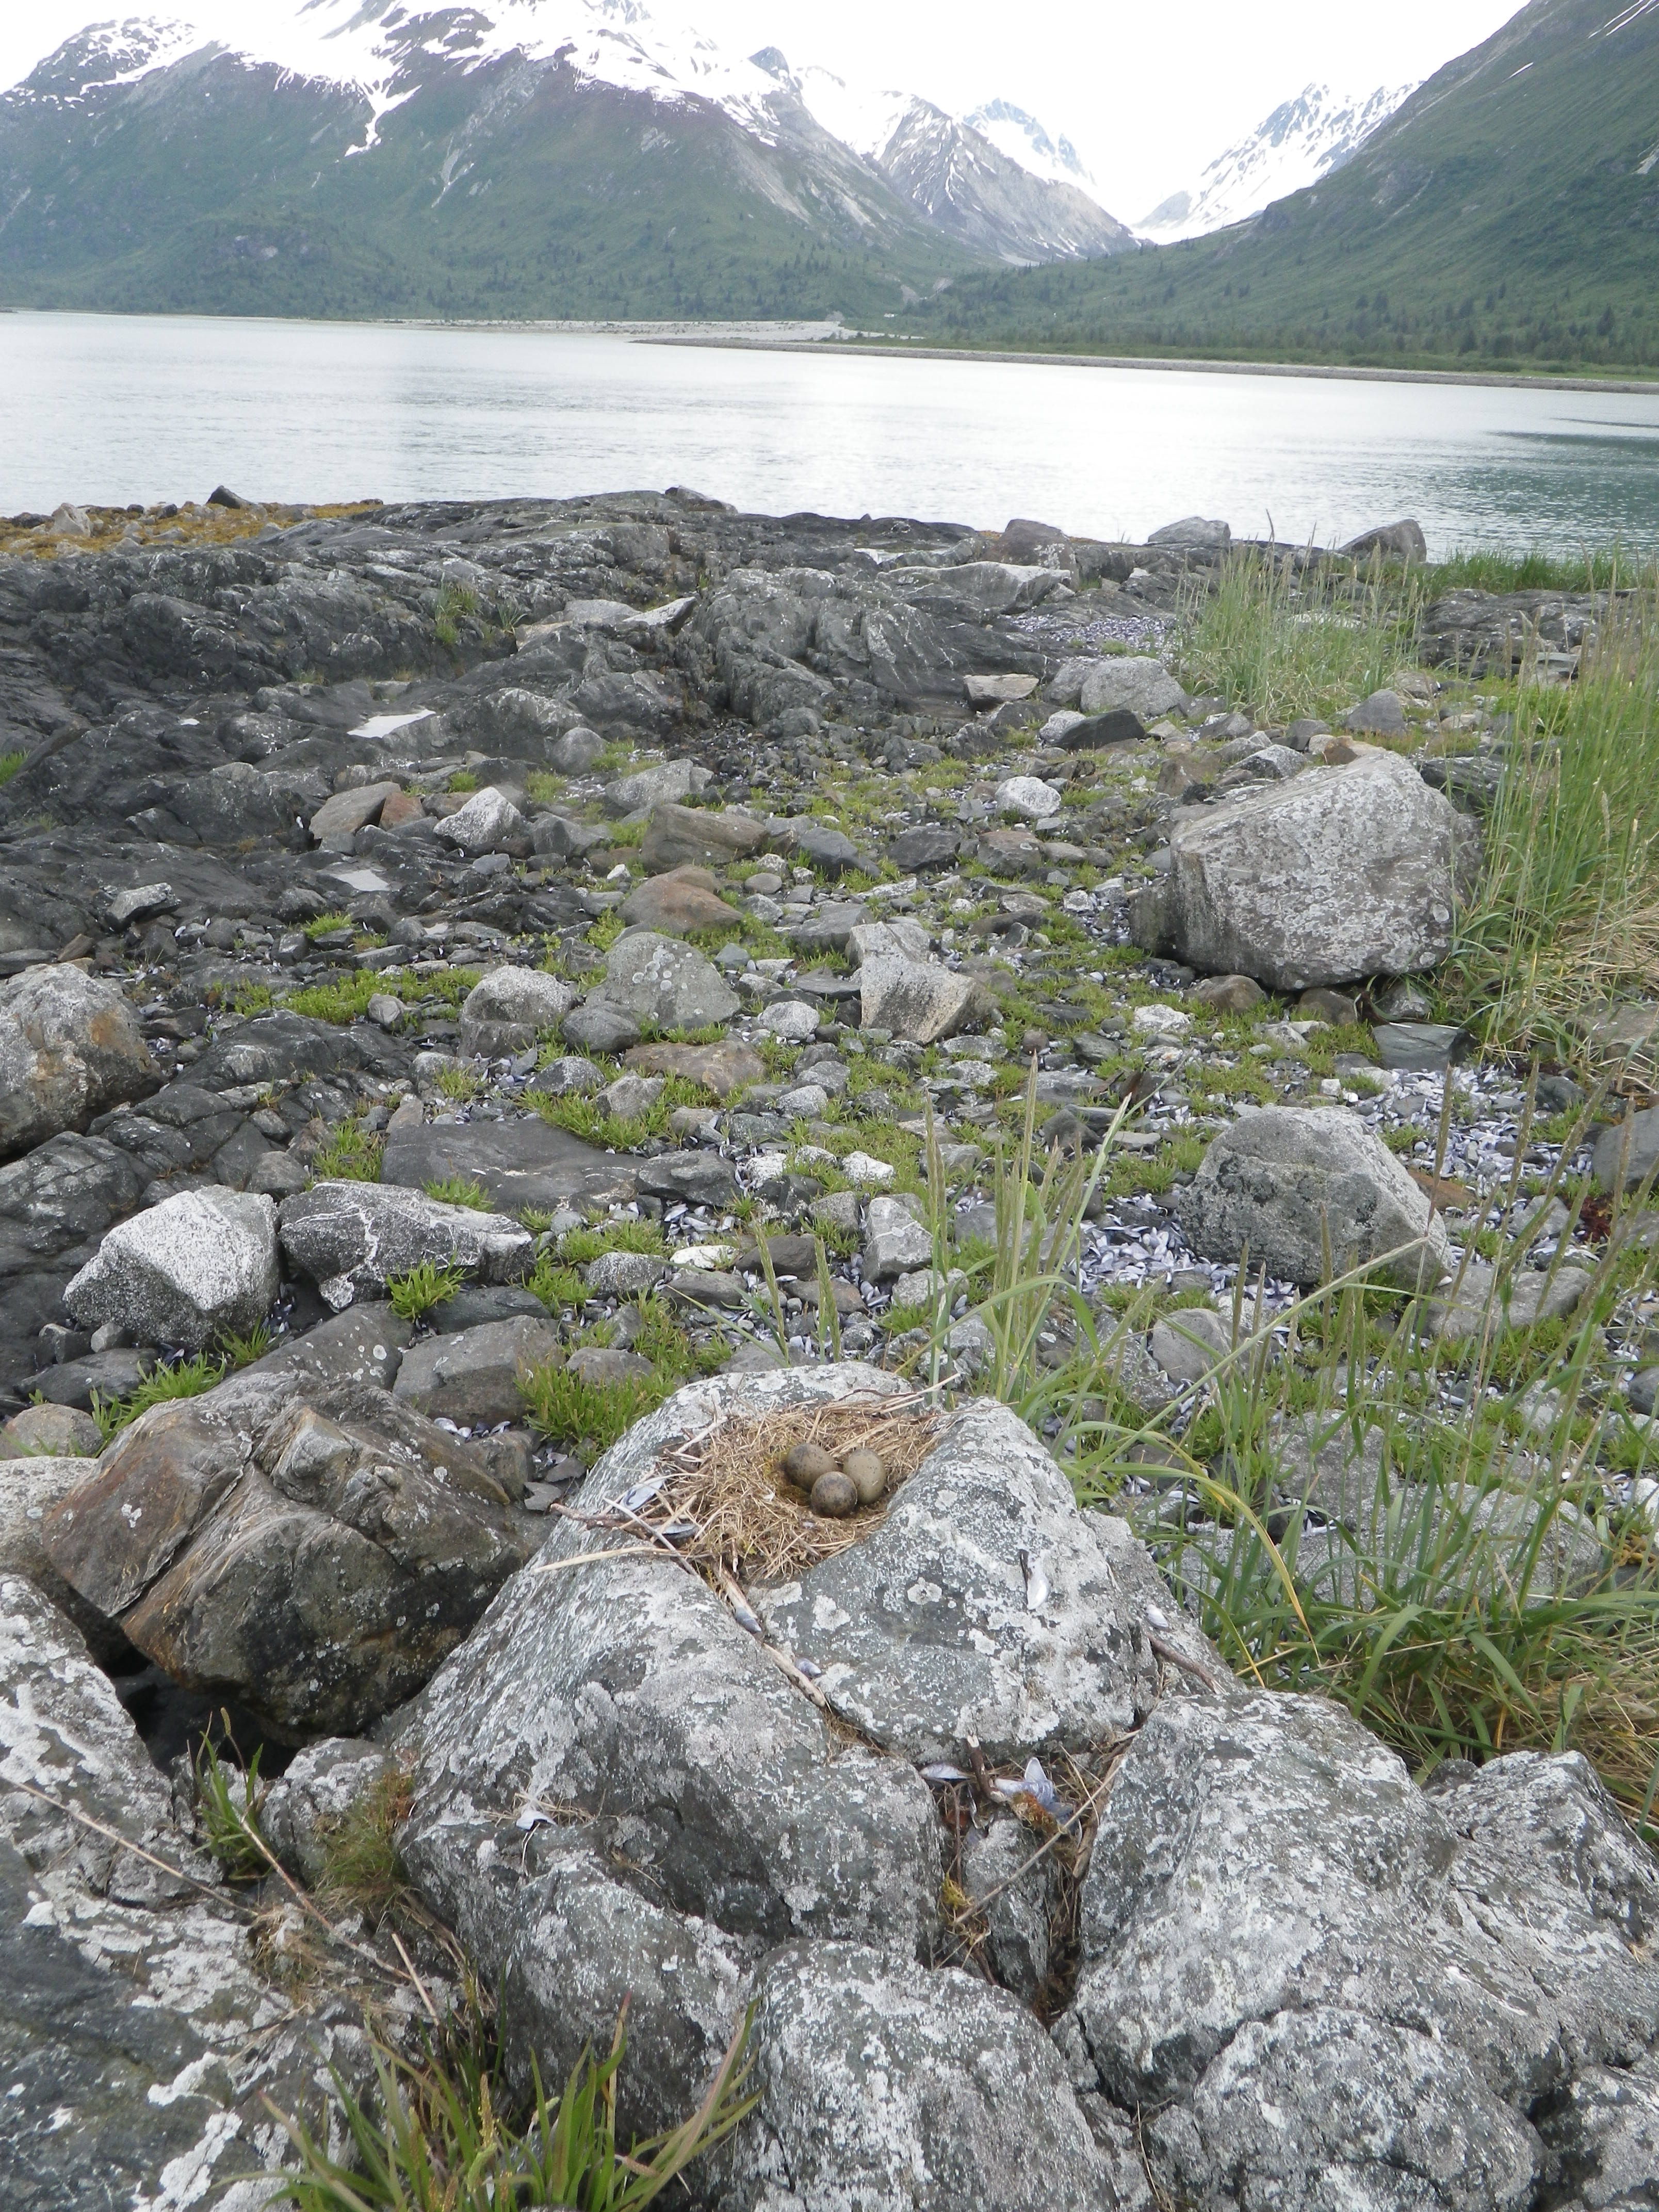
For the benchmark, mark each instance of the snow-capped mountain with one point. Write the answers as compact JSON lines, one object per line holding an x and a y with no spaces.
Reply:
{"x":587,"y":157}
{"x":1302,"y":141}
{"x":971,"y":183}
{"x":1022,"y":139}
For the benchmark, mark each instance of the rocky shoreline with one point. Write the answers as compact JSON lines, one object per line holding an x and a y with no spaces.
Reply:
{"x":483,"y":983}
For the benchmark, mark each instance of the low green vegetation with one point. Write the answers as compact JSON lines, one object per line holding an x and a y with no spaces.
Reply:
{"x":363,"y":1872}
{"x":228,"y":1802}
{"x":326,"y":925}
{"x":351,"y":1153}
{"x":9,"y":765}
{"x":184,"y":1378}
{"x":424,"y":1286}
{"x":586,"y":1418}
{"x":590,"y":1119}
{"x":1490,"y":1599}
{"x":458,"y":1190}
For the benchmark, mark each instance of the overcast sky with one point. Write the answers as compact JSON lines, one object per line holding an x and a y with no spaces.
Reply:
{"x":1147,"y":92}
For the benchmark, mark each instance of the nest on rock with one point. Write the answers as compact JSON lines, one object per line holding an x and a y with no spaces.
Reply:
{"x":727,"y":1508}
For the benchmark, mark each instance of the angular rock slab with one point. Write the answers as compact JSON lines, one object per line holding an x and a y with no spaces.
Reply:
{"x":1301,"y":1189}
{"x":136,"y":2035}
{"x":317,"y":1550}
{"x":351,"y":1238}
{"x":919,"y":999}
{"x":1345,"y":872}
{"x":1321,"y":1986}
{"x":882,"y":2085}
{"x":71,"y":1046}
{"x":987,"y":1604}
{"x":520,"y":1163}
{"x":195,"y":1268}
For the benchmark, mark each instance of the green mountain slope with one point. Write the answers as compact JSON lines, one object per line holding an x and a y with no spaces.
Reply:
{"x":1507,"y":214}
{"x":509,"y":189}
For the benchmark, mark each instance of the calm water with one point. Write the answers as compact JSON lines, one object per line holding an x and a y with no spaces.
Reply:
{"x":115,"y":409}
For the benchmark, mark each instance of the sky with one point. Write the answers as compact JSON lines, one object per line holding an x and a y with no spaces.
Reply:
{"x":1147,"y":95}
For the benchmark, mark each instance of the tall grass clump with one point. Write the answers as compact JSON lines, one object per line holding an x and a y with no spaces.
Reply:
{"x":1290,"y":639}
{"x":1355,"y":1506}
{"x":445,"y":2134}
{"x":1566,"y":914}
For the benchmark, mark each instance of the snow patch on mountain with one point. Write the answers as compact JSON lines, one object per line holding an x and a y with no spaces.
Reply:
{"x":1020,"y":138}
{"x":1302,"y":141}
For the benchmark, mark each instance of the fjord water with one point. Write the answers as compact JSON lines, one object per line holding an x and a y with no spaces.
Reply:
{"x":115,"y":409}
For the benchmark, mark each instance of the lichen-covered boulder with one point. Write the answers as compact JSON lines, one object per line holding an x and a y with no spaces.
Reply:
{"x":619,"y":1787}
{"x":71,"y":1047}
{"x":188,"y":1271}
{"x":1320,"y":1985}
{"x":1310,"y":1193}
{"x":352,"y":1238}
{"x":1342,"y":873}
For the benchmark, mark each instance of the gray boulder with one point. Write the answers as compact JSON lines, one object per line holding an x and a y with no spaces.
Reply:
{"x":665,"y":784}
{"x":1394,"y":540}
{"x":1306,"y":1190}
{"x":55,"y":1205}
{"x":364,"y":1344}
{"x":311,"y":1798}
{"x":472,"y":1377}
{"x":351,"y":1238}
{"x":140,"y":2034}
{"x":315,"y":1549}
{"x":1343,"y":872}
{"x":882,"y":2084}
{"x":1382,"y":715}
{"x":1626,"y":1152}
{"x":1194,"y":533}
{"x":895,"y":1242}
{"x":978,"y":587}
{"x":1319,"y":1985}
{"x":1130,"y":683}
{"x":70,"y":1046}
{"x":692,"y":836}
{"x":188,"y":1271}
{"x":682,"y":1808}
{"x":482,"y":823}
{"x":335,"y":822}
{"x":919,"y":999}
{"x":510,"y":1009}
{"x":657,"y":982}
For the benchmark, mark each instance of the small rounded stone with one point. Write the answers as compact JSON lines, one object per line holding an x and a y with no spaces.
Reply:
{"x":864,"y":1471}
{"x":804,"y":1463}
{"x":834,"y":1497}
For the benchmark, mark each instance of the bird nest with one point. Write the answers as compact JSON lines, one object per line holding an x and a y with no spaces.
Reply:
{"x":723,"y":1504}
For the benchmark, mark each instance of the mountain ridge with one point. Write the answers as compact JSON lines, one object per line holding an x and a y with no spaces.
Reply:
{"x":1306,"y":137}
{"x":1505,"y":217}
{"x":547,"y":157}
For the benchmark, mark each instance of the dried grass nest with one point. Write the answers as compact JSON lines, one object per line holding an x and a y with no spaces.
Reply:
{"x":727,"y":1508}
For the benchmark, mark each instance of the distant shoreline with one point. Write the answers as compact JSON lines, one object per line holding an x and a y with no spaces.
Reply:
{"x":1332,"y":372}
{"x":805,"y":336}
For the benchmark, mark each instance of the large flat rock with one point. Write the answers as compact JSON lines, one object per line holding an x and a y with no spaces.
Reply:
{"x":519,"y":1164}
